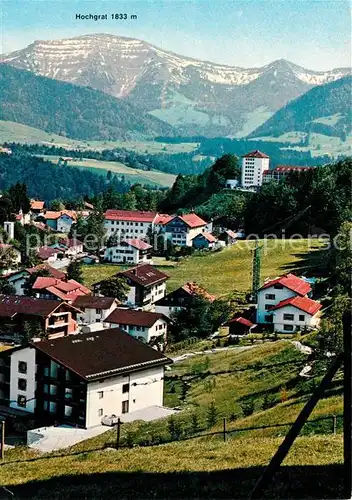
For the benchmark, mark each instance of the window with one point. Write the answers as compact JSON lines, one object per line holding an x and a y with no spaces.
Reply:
{"x":124,"y":407}
{"x":270,"y":296}
{"x":268,"y":306}
{"x":125,"y":388}
{"x":53,"y":390}
{"x":278,"y":286}
{"x":302,"y":317}
{"x":100,"y":394}
{"x":68,"y":411}
{"x":98,"y":311}
{"x":22,"y":367}
{"x":46,"y":371}
{"x":68,"y":375}
{"x":68,"y":393}
{"x":288,"y":328}
{"x":22,"y":384}
{"x":268,"y":318}
{"x":46,"y":405}
{"x":21,"y":401}
{"x":52,"y":407}
{"x":100,"y":412}
{"x":289,"y":317}
{"x":46,"y":388}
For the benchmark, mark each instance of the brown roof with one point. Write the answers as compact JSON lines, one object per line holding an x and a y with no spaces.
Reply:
{"x":46,"y":252}
{"x":93,"y":302}
{"x":145,"y":275}
{"x":192,"y":288}
{"x":101,"y":354}
{"x":255,"y":154}
{"x":208,"y":236}
{"x":11,"y":305}
{"x":55,"y":273}
{"x":133,"y":317}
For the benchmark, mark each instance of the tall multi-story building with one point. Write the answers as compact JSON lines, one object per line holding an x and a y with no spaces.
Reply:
{"x":254,"y":164}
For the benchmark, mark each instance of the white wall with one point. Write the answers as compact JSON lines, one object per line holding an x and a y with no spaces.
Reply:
{"x":139,"y":396}
{"x":159,"y":328}
{"x":280,"y":295}
{"x":279,"y":321}
{"x":90,"y":315}
{"x":252,"y":171}
{"x":131,"y":229}
{"x":18,"y":281}
{"x":27,"y":355}
{"x":167,"y":310}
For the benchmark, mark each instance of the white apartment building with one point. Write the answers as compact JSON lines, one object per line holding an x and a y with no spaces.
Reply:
{"x":129,"y":251}
{"x":143,"y":325}
{"x":128,"y":223}
{"x":254,"y":164}
{"x":79,"y":379}
{"x":94,"y":309}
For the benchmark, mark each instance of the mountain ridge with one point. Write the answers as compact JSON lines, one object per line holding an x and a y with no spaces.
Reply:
{"x":197,"y":97}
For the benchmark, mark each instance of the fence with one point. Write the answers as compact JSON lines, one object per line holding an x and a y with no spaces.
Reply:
{"x":178,"y":434}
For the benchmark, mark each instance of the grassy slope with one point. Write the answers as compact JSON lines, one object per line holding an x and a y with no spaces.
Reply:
{"x":245,"y":450}
{"x":153,"y":177}
{"x":17,"y":132}
{"x":226,"y":271}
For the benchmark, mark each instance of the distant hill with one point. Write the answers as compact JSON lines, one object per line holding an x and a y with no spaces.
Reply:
{"x":325,"y":109}
{"x":70,"y":110}
{"x":196,"y":97}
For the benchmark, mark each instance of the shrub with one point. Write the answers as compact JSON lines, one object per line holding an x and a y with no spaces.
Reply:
{"x":175,"y":430}
{"x":283,"y":394}
{"x":268,"y":402}
{"x":195,"y":423}
{"x":247,"y":408}
{"x":212,"y":415}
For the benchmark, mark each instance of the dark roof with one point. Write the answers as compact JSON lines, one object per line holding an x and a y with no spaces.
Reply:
{"x":19,"y":304}
{"x":55,"y":273}
{"x":134,"y":317}
{"x":145,"y":275}
{"x":255,"y":154}
{"x":93,"y":302}
{"x":101,"y":354}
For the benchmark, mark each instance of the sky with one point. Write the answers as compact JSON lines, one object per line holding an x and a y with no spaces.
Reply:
{"x":315,"y":34}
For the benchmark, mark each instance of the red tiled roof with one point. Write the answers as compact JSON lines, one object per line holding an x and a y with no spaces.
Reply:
{"x":307,"y":305}
{"x":130,"y":215}
{"x":37,"y":205}
{"x":101,"y":354}
{"x":255,"y":154}
{"x":163,"y":218}
{"x":288,"y":168}
{"x":46,"y":252}
{"x":52,"y":215}
{"x":139,"y":244}
{"x":291,"y":282}
{"x":19,"y":304}
{"x":241,"y":320}
{"x":55,"y":273}
{"x":5,"y":246}
{"x":62,"y":289}
{"x":70,"y":242}
{"x":208,"y":236}
{"x":192,"y":220}
{"x":41,"y":226}
{"x":133,"y":317}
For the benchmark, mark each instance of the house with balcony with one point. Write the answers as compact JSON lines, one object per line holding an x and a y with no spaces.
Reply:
{"x":18,"y":278}
{"x":276,"y":291}
{"x":146,"y":286}
{"x":20,"y":316}
{"x":182,"y":298}
{"x":145,"y":326}
{"x":181,"y":229}
{"x":77,"y":380}
{"x":94,"y":309}
{"x":129,"y":251}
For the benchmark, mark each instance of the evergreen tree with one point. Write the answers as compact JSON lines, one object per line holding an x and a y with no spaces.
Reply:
{"x":74,"y":271}
{"x":116,"y":287}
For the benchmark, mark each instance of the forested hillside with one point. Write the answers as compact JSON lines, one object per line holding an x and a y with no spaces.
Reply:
{"x":325,"y":109}
{"x":70,"y":110}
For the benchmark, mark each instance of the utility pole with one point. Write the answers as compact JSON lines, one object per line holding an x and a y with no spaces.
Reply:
{"x":118,"y":431}
{"x":2,"y":452}
{"x":256,"y":266}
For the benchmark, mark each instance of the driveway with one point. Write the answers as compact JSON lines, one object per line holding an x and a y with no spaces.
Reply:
{"x":182,"y":357}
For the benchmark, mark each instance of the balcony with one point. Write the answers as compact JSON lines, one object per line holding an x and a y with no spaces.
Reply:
{"x":59,"y":324}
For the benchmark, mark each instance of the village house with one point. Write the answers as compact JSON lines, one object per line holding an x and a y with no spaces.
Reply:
{"x":146,"y":285}
{"x":160,"y":221}
{"x":49,"y":254}
{"x":295,"y":314}
{"x":239,"y":326}
{"x":70,"y":247}
{"x":94,"y":309}
{"x":47,"y":287}
{"x":134,"y":251}
{"x":281,"y":171}
{"x":60,"y":221}
{"x":46,"y":317}
{"x":37,"y":206}
{"x":278,"y":290}
{"x":145,"y":326}
{"x":18,"y":278}
{"x":182,"y":298}
{"x":68,"y":381}
{"x":129,"y":223}
{"x":204,"y":240}
{"x":181,"y":229}
{"x":22,"y":218}
{"x":228,"y":236}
